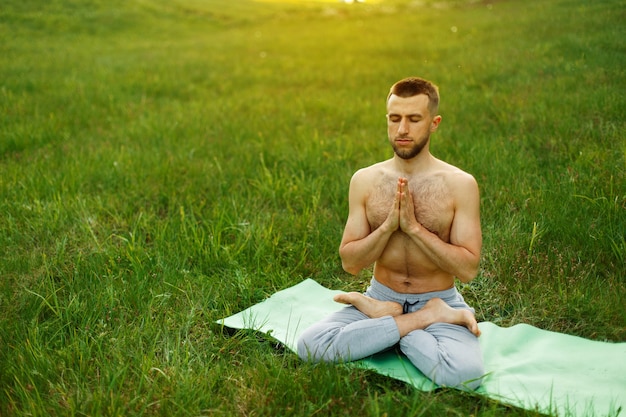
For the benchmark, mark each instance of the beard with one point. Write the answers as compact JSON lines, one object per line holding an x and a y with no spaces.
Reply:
{"x":411,"y":152}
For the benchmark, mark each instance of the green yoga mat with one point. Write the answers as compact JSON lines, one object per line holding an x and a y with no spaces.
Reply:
{"x":526,"y":367}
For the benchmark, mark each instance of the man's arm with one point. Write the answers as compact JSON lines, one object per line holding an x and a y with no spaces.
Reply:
{"x":460,"y":257}
{"x":360,"y":247}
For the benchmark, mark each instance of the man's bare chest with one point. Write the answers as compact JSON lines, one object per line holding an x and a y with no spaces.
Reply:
{"x":432,"y":201}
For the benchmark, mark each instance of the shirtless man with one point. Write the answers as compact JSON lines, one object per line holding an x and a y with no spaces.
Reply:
{"x":417,"y":219}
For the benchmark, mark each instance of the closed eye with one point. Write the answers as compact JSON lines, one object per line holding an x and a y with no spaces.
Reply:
{"x":413,"y":118}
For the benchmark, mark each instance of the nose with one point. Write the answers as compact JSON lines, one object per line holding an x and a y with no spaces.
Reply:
{"x":403,"y":127}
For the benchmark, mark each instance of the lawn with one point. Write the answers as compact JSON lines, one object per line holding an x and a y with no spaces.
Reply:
{"x":164,"y":164}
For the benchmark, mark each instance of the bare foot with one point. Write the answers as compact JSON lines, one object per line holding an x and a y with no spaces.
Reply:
{"x":440,"y":312}
{"x":369,"y":306}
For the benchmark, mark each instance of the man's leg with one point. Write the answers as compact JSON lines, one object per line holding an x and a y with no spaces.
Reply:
{"x":446,"y":353}
{"x":347,"y":335}
{"x":440,"y":340}
{"x":435,"y":311}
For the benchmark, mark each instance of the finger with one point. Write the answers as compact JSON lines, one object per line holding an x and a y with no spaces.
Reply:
{"x":407,"y":196}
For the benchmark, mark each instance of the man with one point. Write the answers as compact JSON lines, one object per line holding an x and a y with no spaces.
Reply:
{"x":417,"y":219}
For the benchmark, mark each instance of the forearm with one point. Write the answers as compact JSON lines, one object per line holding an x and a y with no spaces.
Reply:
{"x":455,"y":260}
{"x":359,"y":254}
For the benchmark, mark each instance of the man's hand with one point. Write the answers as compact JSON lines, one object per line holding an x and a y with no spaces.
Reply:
{"x":402,"y":213}
{"x":392,"y":222}
{"x":407,"y":218}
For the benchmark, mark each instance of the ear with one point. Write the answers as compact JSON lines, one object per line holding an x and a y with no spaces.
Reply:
{"x":435,"y":123}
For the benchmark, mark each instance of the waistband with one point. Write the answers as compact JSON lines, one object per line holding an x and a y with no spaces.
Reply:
{"x":382,"y":292}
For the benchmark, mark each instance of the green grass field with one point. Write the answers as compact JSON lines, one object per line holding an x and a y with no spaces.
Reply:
{"x":166,"y":163}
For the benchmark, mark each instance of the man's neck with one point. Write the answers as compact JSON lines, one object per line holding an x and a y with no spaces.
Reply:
{"x":419,"y":164}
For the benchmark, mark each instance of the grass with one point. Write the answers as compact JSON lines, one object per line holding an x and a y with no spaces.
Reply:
{"x":165,"y":164}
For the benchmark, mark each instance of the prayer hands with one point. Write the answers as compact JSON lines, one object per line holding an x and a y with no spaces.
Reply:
{"x":402,"y":215}
{"x":407,"y":208}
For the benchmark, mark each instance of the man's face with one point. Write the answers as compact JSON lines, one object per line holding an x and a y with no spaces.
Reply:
{"x":409,"y":124}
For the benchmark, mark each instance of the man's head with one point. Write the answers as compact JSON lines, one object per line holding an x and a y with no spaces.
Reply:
{"x":414,"y":86}
{"x":412,"y":106}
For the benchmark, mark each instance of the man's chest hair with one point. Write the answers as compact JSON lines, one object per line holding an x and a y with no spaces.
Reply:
{"x":432,"y":201}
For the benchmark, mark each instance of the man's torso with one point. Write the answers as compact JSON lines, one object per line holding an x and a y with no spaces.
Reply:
{"x":402,"y":265}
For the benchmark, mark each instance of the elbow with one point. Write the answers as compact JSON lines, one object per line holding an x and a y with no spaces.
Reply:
{"x":466,"y":279}
{"x":469,"y":268}
{"x":351,"y":269}
{"x":468,"y":274}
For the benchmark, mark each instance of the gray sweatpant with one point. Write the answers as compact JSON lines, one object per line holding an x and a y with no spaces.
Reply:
{"x":446,"y":353}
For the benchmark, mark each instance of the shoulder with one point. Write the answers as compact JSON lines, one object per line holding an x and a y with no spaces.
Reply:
{"x":455,"y":175}
{"x":463,"y":180}
{"x":367,"y":181}
{"x":462,"y":184}
{"x":368,"y":175}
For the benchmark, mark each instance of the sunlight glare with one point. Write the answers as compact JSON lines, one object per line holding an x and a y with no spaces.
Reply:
{"x":318,"y":1}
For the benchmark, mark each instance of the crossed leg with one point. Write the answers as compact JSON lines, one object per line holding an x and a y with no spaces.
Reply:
{"x":435,"y":311}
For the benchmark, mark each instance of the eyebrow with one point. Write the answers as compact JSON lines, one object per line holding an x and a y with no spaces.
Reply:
{"x":406,"y":115}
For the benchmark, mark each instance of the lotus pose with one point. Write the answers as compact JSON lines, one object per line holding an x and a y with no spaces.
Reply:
{"x":416,"y":218}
